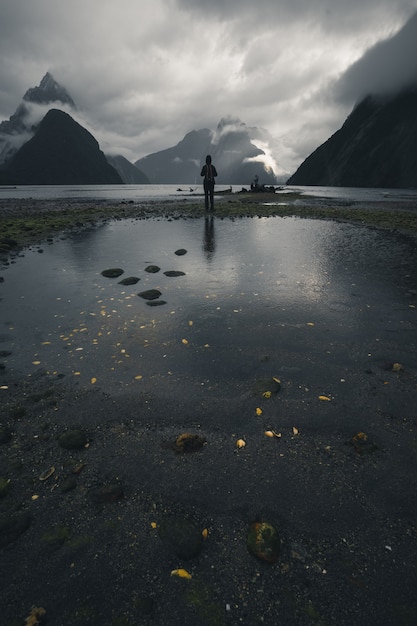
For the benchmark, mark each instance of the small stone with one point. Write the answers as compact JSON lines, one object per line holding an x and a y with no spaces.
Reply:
{"x":180,"y":252}
{"x":156,"y":303}
{"x":150,"y":294}
{"x":152,"y":269}
{"x":74,"y":439}
{"x":174,"y":273}
{"x":181,"y":537}
{"x":263,"y":541}
{"x":68,"y":485}
{"x":113,"y":272}
{"x":130,"y":280}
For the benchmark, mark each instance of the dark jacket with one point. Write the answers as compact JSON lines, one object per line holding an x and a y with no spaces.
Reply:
{"x":209,"y":172}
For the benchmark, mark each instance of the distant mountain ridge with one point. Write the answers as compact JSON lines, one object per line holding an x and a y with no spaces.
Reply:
{"x":232,"y":147}
{"x":375,"y":147}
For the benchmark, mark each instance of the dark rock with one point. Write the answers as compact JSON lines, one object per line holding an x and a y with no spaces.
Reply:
{"x":156,"y":303}
{"x":263,"y":541}
{"x":4,"y":487}
{"x":174,"y":273}
{"x":74,"y":439}
{"x":11,"y":527}
{"x":131,"y":280}
{"x":181,"y":537}
{"x":113,"y":272}
{"x":5,"y":434}
{"x":69,"y":484}
{"x":188,"y":442}
{"x":150,"y":294}
{"x":106,"y":494}
{"x":152,"y":269}
{"x":180,"y":252}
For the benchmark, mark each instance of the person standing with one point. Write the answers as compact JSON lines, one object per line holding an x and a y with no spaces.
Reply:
{"x":209,"y":172}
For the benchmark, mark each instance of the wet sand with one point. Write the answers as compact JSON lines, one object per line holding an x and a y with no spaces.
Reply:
{"x":79,"y":528}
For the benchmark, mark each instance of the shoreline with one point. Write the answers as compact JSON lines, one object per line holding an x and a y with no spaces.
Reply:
{"x":81,"y":522}
{"x":26,"y":222}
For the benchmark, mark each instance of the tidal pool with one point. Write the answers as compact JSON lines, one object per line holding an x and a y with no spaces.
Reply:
{"x":308,"y":301}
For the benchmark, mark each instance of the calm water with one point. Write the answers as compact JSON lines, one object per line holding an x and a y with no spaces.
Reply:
{"x":136,"y":193}
{"x":302,"y":299}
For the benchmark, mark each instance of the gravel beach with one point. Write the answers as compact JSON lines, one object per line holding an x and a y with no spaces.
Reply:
{"x":108,"y":516}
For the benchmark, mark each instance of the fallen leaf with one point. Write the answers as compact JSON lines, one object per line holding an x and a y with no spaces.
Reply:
{"x":93,"y":381}
{"x":325,"y":398}
{"x":277,"y":380}
{"x":35,"y":615}
{"x":36,"y":362}
{"x":205,"y":533}
{"x":47,"y":474}
{"x":185,"y":342}
{"x":310,"y":323}
{"x":154,"y":525}
{"x":272,"y":433}
{"x":295,"y":430}
{"x":259,"y":411}
{"x":138,"y":377}
{"x":240,"y":443}
{"x":267,"y":394}
{"x":182,"y":573}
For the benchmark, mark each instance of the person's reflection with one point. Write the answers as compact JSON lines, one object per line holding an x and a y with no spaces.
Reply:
{"x":209,"y":244}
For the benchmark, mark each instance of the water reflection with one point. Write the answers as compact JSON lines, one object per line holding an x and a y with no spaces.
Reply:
{"x":209,"y":243}
{"x":256,"y":294}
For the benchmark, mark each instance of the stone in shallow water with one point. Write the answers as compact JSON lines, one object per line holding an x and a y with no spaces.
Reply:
{"x":156,"y":302}
{"x":152,"y":269}
{"x":150,"y":294}
{"x":267,"y":387}
{"x":11,"y":527}
{"x":74,"y":439}
{"x":181,"y":536}
{"x":174,"y":273}
{"x":112,"y":272}
{"x":106,"y":494}
{"x":188,"y":442}
{"x":263,"y":541}
{"x":130,"y":280}
{"x":180,"y":252}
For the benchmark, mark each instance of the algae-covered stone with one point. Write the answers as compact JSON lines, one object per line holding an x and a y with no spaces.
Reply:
{"x":150,"y":294}
{"x":181,"y":536}
{"x":188,"y":442}
{"x":263,"y":541}
{"x":74,"y":439}
{"x":113,"y":272}
{"x":266,"y":387}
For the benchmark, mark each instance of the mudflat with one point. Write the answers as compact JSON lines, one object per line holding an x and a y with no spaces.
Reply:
{"x":270,"y":504}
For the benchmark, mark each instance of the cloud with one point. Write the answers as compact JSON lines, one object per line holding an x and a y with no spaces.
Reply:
{"x":143,"y":73}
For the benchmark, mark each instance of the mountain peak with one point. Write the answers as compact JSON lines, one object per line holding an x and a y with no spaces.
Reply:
{"x":48,"y":91}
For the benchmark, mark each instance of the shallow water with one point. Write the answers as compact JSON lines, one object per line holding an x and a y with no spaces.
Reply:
{"x":308,"y":301}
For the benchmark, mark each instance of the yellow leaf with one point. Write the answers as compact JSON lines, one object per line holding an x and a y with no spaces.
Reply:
{"x":240,"y":443}
{"x":182,"y":573}
{"x":205,"y":533}
{"x":36,"y":362}
{"x":267,"y":394}
{"x":190,"y":323}
{"x":259,"y":411}
{"x":295,"y":430}
{"x":153,"y":525}
{"x":138,"y":377}
{"x":185,"y":342}
{"x":93,"y":381}
{"x":310,"y":323}
{"x":325,"y":398}
{"x":277,"y":380}
{"x":272,"y":433}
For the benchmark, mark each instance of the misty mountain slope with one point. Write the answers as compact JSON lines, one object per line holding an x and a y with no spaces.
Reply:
{"x":128,"y":172}
{"x":61,"y":153}
{"x":19,"y":128}
{"x":236,"y":157}
{"x":375,"y":147}
{"x":179,"y":164}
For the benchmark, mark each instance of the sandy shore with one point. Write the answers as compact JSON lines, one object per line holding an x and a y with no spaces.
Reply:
{"x":80,"y":527}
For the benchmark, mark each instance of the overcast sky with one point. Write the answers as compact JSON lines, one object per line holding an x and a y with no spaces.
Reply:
{"x":143,"y":73}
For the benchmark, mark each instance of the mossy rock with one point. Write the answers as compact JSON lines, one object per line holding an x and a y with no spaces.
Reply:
{"x":150,"y":294}
{"x":130,"y":280}
{"x":74,"y":439}
{"x":181,"y":537}
{"x":174,"y":273}
{"x":180,"y":252}
{"x":113,"y":272}
{"x":152,"y":269}
{"x":187,"y":442}
{"x":266,"y":387}
{"x":263,"y":542}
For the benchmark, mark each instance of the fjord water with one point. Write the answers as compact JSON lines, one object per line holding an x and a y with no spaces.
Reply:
{"x":311,"y":302}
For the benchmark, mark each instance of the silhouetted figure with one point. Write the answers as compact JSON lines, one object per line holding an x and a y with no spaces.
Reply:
{"x":209,"y":172}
